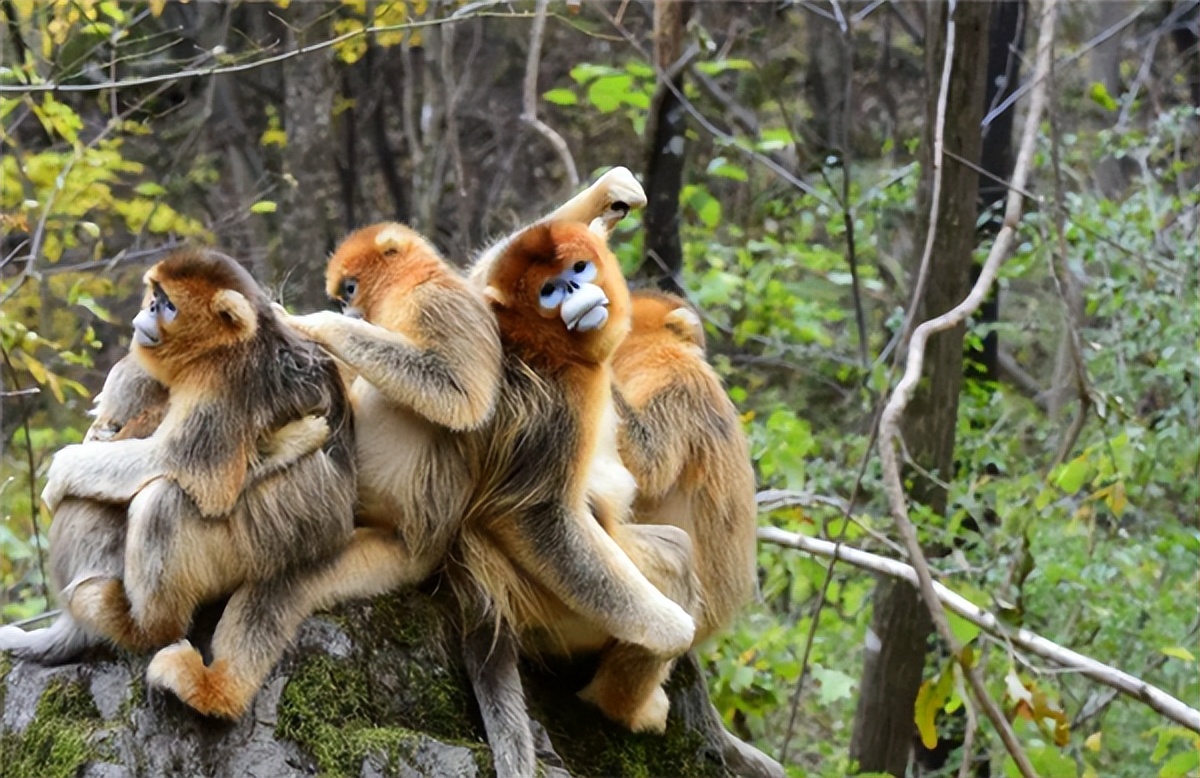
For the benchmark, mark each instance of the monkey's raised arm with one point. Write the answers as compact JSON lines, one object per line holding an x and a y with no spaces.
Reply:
{"x":450,"y":378}
{"x":610,"y":199}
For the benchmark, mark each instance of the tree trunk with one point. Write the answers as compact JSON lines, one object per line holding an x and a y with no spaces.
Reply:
{"x":883,"y":719}
{"x":1006,"y":42}
{"x":309,"y":224}
{"x":663,"y":252}
{"x":376,"y":688}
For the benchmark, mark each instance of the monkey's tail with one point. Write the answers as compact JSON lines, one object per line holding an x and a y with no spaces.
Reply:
{"x":490,"y":587}
{"x":61,"y":642}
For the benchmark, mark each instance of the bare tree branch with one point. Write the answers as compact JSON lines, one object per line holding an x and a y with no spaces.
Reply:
{"x":529,"y":111}
{"x":241,"y":67}
{"x":1157,"y":699}
{"x":889,"y":427}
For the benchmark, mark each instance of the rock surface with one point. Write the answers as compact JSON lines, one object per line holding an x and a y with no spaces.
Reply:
{"x":375,"y":689}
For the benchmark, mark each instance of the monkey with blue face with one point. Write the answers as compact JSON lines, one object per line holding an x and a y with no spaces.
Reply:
{"x":246,"y":486}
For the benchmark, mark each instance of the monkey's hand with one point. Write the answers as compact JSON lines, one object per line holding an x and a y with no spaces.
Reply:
{"x":313,"y":326}
{"x":289,"y":443}
{"x":113,"y":472}
{"x":610,"y":199}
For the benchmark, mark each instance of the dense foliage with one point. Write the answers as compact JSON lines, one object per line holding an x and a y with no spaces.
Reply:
{"x":1083,"y":532}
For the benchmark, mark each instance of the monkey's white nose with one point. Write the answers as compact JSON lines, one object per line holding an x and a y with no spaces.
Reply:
{"x":585,"y":309}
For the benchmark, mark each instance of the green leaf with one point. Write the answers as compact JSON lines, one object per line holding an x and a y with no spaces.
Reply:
{"x":608,"y":92}
{"x":964,"y":630}
{"x":150,"y":189}
{"x":835,"y":685}
{"x":1048,"y":762}
{"x":263,"y":206}
{"x":719,"y":166}
{"x":585,"y":72}
{"x":1181,"y":765}
{"x":1073,"y":475}
{"x":1101,"y":97}
{"x":1179,"y":652}
{"x":561,"y":97}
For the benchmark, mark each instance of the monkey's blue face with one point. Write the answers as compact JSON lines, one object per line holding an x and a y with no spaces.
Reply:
{"x":581,"y":304}
{"x":347,"y":291}
{"x":147,"y":324}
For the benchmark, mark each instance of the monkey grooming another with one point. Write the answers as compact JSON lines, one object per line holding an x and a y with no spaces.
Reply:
{"x":201,"y":522}
{"x":546,"y":540}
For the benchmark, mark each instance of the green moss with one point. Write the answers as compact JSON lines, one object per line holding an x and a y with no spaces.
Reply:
{"x":326,"y":707}
{"x":58,"y":741}
{"x":590,"y":744}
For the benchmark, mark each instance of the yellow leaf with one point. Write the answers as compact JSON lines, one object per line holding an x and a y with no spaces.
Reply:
{"x":156,"y":7}
{"x":55,"y":388}
{"x":1179,"y":652}
{"x":36,"y":369}
{"x":1117,"y":500}
{"x":925,"y":714}
{"x":1093,"y":742}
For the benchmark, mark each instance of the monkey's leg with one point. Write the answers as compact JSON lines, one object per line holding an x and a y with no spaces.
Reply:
{"x":174,"y":560}
{"x":490,"y":654}
{"x":86,"y":539}
{"x":627,"y":686}
{"x":259,"y":622}
{"x":374,"y":562}
{"x":572,"y":556}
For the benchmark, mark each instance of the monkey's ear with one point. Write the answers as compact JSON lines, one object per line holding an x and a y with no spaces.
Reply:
{"x":493,"y":295}
{"x":686,"y":325}
{"x":236,"y":310}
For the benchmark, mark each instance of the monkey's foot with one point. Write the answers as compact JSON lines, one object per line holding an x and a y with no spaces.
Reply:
{"x":213,"y":691}
{"x":649,"y":715}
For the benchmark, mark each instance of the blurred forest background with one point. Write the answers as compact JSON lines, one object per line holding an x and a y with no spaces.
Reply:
{"x":1052,"y":456}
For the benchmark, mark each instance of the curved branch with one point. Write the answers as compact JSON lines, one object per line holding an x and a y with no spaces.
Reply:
{"x":529,"y":103}
{"x":889,"y":426}
{"x":1131,"y":686}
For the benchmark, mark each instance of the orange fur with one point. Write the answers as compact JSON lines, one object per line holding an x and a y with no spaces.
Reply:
{"x":546,"y":538}
{"x":682,"y":440}
{"x":215,"y":690}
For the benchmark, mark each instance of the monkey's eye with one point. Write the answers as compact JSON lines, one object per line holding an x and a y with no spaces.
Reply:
{"x":167,"y":310}
{"x":581,"y":272}
{"x":551,"y":295}
{"x":349,"y":289}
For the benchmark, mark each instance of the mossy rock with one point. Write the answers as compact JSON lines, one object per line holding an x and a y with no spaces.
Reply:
{"x":372,"y":689}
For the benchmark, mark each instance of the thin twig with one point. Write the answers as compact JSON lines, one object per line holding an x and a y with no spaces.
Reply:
{"x":939,"y":146}
{"x":1074,"y":56}
{"x":34,"y":500}
{"x":217,"y":70}
{"x":890,"y":422}
{"x":529,"y":108}
{"x":810,"y":638}
{"x":721,"y":136}
{"x":1128,"y":685}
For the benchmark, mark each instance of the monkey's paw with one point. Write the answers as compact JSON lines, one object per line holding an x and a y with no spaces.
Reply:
{"x":58,"y":478}
{"x":311,"y":325}
{"x":213,"y":691}
{"x":670,"y":634}
{"x":621,"y":191}
{"x":649,"y":716}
